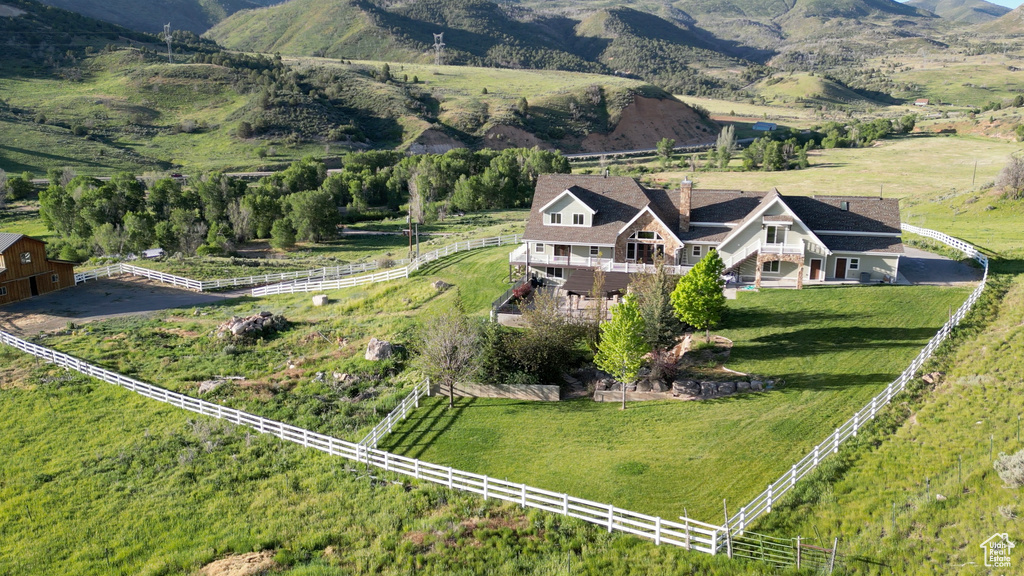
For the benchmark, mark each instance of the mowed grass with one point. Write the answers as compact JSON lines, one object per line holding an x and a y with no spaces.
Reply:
{"x":834,"y":347}
{"x":944,"y":449}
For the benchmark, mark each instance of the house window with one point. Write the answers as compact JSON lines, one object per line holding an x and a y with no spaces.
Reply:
{"x":854,"y":264}
{"x":555,"y":218}
{"x":55,"y":279}
{"x":26,"y":257}
{"x":772,"y":266}
{"x":595,"y":250}
{"x":646,"y":235}
{"x":554,"y":272}
{"x":3,"y":291}
{"x":631,"y":251}
{"x":538,"y":248}
{"x":775,"y":235}
{"x":696,"y":251}
{"x":577,"y":220}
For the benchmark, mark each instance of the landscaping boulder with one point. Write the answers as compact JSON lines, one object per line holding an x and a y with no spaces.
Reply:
{"x":708,"y":388}
{"x":743,"y":386}
{"x":658,"y":386}
{"x":643,"y":386}
{"x":378,"y":349}
{"x":685,"y":388}
{"x":756,"y":385}
{"x":320,"y":300}
{"x":725,"y":388}
{"x":252,"y":326}
{"x":441,"y":285}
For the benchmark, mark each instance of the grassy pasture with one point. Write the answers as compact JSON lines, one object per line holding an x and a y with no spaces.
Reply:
{"x":835,"y":348}
{"x":178,"y":349}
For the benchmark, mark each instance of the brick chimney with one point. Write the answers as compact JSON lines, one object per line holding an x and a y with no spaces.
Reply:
{"x":685,"y":193}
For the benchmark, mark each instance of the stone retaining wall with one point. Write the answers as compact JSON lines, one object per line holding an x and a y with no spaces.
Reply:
{"x":532,"y":392}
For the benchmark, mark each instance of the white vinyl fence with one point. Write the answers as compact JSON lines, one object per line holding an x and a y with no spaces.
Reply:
{"x":315,"y":280}
{"x":205,"y":285}
{"x":408,"y":404}
{"x":394,"y":273}
{"x":689,"y":534}
{"x":763,"y":502}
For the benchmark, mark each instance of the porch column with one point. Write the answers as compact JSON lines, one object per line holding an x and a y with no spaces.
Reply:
{"x":757,"y":274}
{"x":800,"y":276}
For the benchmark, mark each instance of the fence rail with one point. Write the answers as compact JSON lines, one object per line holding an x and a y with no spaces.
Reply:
{"x":690,"y":534}
{"x":408,"y":404}
{"x":763,"y":502}
{"x":401,"y":272}
{"x":298,"y":281}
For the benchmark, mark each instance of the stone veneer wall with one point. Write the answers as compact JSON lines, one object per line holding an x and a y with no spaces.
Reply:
{"x":646,"y":222}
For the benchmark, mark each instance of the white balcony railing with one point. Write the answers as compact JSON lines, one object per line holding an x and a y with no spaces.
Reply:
{"x":635,"y":268}
{"x":782,"y":248}
{"x":521,"y":256}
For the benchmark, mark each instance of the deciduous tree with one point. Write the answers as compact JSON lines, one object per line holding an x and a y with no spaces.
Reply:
{"x":698,"y":298}
{"x":622,"y":346}
{"x":447,"y":348}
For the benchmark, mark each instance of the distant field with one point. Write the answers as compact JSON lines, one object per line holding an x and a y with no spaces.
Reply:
{"x":962,"y":80}
{"x":835,"y":348}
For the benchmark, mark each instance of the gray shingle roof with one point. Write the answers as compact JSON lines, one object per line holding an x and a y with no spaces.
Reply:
{"x":887,"y":244}
{"x":7,"y":239}
{"x":864,"y":213}
{"x":616,"y":200}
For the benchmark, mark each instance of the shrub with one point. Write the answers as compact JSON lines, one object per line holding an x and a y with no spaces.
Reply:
{"x":80,"y":130}
{"x":1011,"y":468}
{"x":385,"y":262}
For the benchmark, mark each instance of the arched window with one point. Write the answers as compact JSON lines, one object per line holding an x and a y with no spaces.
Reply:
{"x":645,"y":235}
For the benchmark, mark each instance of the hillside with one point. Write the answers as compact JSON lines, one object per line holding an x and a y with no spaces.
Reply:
{"x":482,"y":33}
{"x":151,"y":15}
{"x":38,"y":38}
{"x":1011,"y":24}
{"x":965,"y":11}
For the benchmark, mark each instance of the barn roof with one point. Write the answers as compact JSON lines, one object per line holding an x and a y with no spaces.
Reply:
{"x":7,"y":239}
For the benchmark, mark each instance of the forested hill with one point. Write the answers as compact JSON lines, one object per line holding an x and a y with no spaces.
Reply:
{"x":34,"y":36}
{"x":966,"y":11}
{"x":482,"y":33}
{"x":151,"y":15}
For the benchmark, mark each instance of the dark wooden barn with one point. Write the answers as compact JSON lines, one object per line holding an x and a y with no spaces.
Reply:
{"x":26,"y":272}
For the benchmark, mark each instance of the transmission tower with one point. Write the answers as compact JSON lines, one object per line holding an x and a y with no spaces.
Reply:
{"x":439,"y":49}
{"x":167,"y":36}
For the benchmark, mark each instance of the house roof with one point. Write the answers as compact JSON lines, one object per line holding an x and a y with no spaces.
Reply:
{"x":616,"y":200}
{"x":887,"y":244}
{"x":715,"y":214}
{"x":567,"y":192}
{"x":863,"y":213}
{"x":7,"y":239}
{"x":723,"y":206}
{"x":705,"y":234}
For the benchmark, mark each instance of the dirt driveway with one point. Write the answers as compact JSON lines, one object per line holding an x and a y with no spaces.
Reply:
{"x":98,"y":300}
{"x":921,"y":267}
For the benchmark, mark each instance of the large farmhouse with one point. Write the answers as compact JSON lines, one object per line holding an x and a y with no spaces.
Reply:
{"x":25,"y":271}
{"x":580,"y":223}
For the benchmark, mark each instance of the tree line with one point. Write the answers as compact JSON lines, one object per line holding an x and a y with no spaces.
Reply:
{"x":213,"y":213}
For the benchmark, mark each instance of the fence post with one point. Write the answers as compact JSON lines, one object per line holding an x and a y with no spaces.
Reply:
{"x":770,"y":490}
{"x":792,"y":476}
{"x":485,"y":487}
{"x":836,"y":449}
{"x":657,"y":531}
{"x":565,"y":504}
{"x":815,"y":456}
{"x":611,"y":517}
{"x":522,"y":502}
{"x":450,"y":477}
{"x":856,"y":422}
{"x":797,"y":552}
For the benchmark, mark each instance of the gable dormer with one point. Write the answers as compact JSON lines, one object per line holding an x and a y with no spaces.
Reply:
{"x":567,"y":209}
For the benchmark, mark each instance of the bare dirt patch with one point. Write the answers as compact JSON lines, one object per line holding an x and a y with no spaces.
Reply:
{"x":251,"y":564}
{"x":107,"y":298}
{"x":501,"y":137}
{"x":648,"y":120}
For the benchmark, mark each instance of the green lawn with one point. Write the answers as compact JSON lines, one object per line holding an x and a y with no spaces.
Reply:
{"x":834,"y":347}
{"x":939,"y":445}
